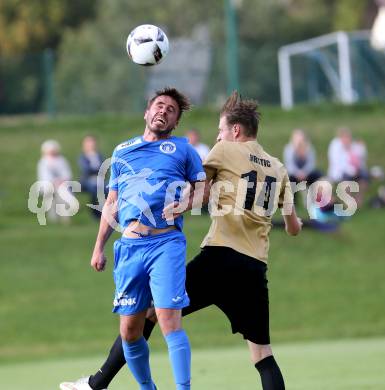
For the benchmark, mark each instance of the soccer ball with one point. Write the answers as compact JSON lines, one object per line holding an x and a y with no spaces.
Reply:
{"x":147,"y":45}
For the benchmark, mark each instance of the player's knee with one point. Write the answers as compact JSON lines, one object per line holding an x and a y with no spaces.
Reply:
{"x":169,"y":325}
{"x":151,"y":315}
{"x":259,"y":352}
{"x":260,"y":356}
{"x":169,"y":320}
{"x":130,"y":333}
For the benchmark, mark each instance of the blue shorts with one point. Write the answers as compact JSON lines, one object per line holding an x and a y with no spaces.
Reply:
{"x":150,"y":268}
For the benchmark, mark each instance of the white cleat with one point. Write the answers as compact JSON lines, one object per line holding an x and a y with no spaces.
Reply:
{"x":80,"y":384}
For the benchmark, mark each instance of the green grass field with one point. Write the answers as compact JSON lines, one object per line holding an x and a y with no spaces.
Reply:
{"x":55,"y":311}
{"x":341,"y":365}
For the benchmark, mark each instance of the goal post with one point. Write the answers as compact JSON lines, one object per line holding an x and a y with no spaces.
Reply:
{"x":334,"y":56}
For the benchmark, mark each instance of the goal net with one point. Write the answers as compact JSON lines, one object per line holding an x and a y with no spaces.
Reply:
{"x":337,"y":67}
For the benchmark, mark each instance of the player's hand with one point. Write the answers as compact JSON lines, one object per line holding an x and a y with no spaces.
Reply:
{"x":98,"y":261}
{"x":300,"y":223}
{"x":170,"y":212}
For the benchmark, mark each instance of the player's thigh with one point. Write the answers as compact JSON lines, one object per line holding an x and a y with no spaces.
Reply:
{"x":166,"y":265}
{"x":132,"y":291}
{"x":200,"y":281}
{"x":246,"y":300}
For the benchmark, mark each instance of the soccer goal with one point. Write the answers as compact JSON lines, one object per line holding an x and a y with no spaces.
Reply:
{"x":341,"y":67}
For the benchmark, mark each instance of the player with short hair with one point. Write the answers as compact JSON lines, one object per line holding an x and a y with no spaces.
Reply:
{"x":150,"y":256}
{"x":247,"y":185}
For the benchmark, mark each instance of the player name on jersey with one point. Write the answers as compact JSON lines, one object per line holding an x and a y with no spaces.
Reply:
{"x":260,"y":161}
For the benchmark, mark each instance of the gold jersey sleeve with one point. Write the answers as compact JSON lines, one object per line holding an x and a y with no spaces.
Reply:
{"x":248,"y":185}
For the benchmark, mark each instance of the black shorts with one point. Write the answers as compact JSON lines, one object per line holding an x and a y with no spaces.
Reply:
{"x":234,"y":282}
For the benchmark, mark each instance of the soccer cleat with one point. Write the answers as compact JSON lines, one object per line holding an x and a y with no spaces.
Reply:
{"x":80,"y":384}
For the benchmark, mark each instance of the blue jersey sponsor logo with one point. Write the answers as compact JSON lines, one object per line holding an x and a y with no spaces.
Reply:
{"x":133,"y":142}
{"x":122,"y":299}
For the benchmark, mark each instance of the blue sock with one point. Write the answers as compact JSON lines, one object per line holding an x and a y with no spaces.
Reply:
{"x":180,"y":356}
{"x":137,"y":358}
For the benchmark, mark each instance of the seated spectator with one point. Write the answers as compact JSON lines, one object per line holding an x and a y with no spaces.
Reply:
{"x":300,"y":159}
{"x":322,"y":211}
{"x":90,"y":161}
{"x":359,"y":155}
{"x":53,"y":169}
{"x":347,"y":161}
{"x":378,"y":201}
{"x":194,"y":138}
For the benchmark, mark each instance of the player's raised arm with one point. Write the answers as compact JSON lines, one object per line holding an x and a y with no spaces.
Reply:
{"x":106,"y":227}
{"x":195,"y":195}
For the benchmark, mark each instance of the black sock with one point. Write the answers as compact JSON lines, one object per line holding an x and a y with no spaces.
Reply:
{"x":148,"y":328}
{"x":115,"y":361}
{"x":271,"y":376}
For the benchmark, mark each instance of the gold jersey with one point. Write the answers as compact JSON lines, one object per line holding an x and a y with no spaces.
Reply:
{"x":247,"y":187}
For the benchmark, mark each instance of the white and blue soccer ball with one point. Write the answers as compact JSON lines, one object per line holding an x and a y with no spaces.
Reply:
{"x":147,"y":45}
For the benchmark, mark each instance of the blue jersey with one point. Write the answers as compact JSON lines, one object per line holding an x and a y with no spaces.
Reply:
{"x":149,"y":175}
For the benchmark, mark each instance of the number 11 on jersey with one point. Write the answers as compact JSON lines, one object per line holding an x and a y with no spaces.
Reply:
{"x":266,"y":193}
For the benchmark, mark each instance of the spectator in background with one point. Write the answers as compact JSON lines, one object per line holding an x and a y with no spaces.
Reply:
{"x":89,"y":162}
{"x":342,"y":163}
{"x":360,"y":155}
{"x":377,"y":36}
{"x":194,"y":138}
{"x":378,"y":201}
{"x":300,"y":159}
{"x":347,"y":161}
{"x":53,"y":170}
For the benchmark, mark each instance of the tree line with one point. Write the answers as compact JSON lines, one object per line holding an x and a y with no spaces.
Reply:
{"x":87,"y":37}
